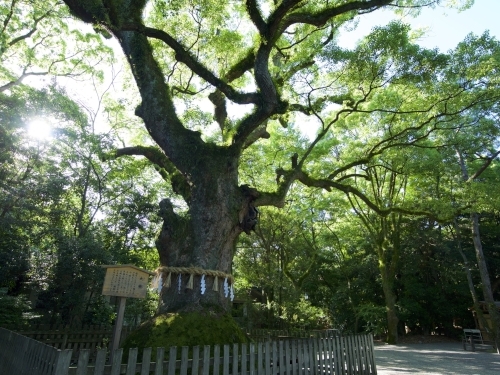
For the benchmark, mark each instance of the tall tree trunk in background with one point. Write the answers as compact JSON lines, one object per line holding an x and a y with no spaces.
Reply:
{"x":384,"y":231}
{"x":470,"y":282}
{"x":481,"y":262}
{"x":388,"y":249}
{"x":390,"y":303}
{"x":485,"y":281}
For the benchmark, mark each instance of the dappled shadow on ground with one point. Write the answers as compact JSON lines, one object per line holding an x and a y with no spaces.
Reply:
{"x":434,"y":359}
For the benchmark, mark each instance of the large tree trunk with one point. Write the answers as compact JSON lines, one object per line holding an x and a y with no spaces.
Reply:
{"x":204,"y":238}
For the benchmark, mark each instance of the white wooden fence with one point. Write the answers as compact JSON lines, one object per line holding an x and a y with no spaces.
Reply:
{"x":334,"y":355}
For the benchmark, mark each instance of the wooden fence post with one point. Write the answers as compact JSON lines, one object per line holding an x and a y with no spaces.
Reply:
{"x":117,"y":331}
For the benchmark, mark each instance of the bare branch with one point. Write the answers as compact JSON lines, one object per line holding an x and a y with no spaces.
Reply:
{"x":32,"y":31}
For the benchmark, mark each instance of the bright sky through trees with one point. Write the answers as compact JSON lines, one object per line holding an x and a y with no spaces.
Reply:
{"x":40,"y":130}
{"x":445,"y":28}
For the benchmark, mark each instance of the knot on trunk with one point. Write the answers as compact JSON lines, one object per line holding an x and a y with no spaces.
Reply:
{"x":249,"y":215}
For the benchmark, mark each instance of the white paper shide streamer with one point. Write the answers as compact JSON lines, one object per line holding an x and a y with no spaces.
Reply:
{"x":157,"y":283}
{"x":231,"y":295}
{"x":160,"y":283}
{"x":226,"y":288}
{"x":179,"y":283}
{"x":203,"y":285}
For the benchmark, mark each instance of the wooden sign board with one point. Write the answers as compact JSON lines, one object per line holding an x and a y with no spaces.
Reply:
{"x":125,"y":281}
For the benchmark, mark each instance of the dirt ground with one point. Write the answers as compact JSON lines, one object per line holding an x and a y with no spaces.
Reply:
{"x":434,"y":356}
{"x":420,"y":339}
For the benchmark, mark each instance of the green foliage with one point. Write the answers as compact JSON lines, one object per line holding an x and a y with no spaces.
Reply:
{"x":14,"y":311}
{"x":186,"y":329}
{"x":374,"y":317}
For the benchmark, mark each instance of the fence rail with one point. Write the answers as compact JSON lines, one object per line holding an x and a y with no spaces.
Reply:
{"x":270,"y":334}
{"x":333,"y":355}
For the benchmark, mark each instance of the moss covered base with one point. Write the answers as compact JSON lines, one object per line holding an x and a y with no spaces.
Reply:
{"x":185,"y":329}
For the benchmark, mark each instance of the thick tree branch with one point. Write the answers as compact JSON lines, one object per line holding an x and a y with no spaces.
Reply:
{"x":162,"y":164}
{"x":321,"y":18}
{"x":182,"y":55}
{"x":348,"y":166}
{"x":284,"y":179}
{"x":153,"y":154}
{"x":483,"y":167}
{"x":256,"y":17}
{"x":328,"y":185}
{"x":217,"y":97}
{"x":20,"y":79}
{"x":260,"y":132}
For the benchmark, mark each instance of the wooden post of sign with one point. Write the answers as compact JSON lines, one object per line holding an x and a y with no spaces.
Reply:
{"x":117,"y":329}
{"x":124,"y":281}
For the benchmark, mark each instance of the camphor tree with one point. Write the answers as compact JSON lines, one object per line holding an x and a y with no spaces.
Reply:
{"x":278,"y":62}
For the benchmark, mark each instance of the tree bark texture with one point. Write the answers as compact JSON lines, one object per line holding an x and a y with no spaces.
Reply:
{"x":390,"y":305}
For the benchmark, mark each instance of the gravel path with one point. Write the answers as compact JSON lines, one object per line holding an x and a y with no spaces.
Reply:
{"x":434,"y":359}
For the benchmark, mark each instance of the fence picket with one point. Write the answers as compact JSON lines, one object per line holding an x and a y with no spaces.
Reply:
{"x":267,"y":358}
{"x":252,"y":359}
{"x":343,"y":363}
{"x":260,"y":355}
{"x":361,"y":354}
{"x":216,"y":359}
{"x":305,"y":348}
{"x":300,"y":356}
{"x":100,"y":362}
{"x":312,"y":356}
{"x":196,"y":360}
{"x":146,"y":361}
{"x":132,"y":361}
{"x":321,"y":354}
{"x":236,"y":360}
{"x":288,"y":358}
{"x":225,"y":361}
{"x":83,"y":360}
{"x":350,"y":348}
{"x":331,"y":354}
{"x":117,"y":362}
{"x":160,"y":357}
{"x":62,"y":362}
{"x":281,"y":358}
{"x":172,"y":359}
{"x":184,"y":360}
{"x":244,"y":359}
{"x":206,"y":359}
